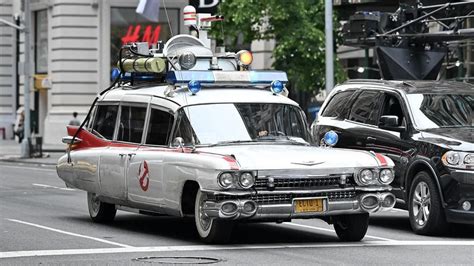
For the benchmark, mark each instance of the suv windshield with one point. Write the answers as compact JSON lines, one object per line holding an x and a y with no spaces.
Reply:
{"x":241,"y":122}
{"x":442,"y":110}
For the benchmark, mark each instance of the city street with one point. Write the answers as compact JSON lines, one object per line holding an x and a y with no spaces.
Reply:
{"x":43,"y":222}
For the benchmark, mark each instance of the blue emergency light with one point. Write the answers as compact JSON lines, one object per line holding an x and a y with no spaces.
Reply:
{"x":235,"y":77}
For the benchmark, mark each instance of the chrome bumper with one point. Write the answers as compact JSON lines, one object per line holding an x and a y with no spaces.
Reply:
{"x":240,"y":208}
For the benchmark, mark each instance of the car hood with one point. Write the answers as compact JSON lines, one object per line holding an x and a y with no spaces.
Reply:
{"x":452,"y":138}
{"x":256,"y":156}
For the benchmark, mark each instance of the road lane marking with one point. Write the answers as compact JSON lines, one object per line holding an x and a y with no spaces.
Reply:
{"x":333,"y":231}
{"x":28,"y":168}
{"x":62,"y":252}
{"x":70,"y":233}
{"x":49,"y":186}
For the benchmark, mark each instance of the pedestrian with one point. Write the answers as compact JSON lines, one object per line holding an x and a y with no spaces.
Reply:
{"x":19,"y":128}
{"x":74,"y":121}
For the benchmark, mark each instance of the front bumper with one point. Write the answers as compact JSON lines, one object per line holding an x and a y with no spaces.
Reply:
{"x":252,"y":207}
{"x":459,"y":188}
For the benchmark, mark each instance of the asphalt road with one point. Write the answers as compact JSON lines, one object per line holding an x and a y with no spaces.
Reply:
{"x":42,"y":222}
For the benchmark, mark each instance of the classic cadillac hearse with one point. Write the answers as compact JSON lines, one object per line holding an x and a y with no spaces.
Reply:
{"x":222,"y":145}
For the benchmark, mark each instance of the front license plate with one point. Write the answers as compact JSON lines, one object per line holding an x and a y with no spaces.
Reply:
{"x":309,"y":205}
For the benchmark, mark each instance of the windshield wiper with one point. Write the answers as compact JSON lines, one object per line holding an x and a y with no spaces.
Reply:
{"x":230,"y":142}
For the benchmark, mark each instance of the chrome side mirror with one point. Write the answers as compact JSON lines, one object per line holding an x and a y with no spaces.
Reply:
{"x":68,"y":140}
{"x":179,"y":142}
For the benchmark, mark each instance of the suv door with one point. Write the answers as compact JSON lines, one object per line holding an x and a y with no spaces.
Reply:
{"x":362,"y":120}
{"x":394,"y":143}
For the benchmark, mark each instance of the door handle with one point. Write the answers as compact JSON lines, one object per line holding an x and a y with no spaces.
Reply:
{"x":371,"y":139}
{"x":122,"y":154}
{"x":130,"y":155}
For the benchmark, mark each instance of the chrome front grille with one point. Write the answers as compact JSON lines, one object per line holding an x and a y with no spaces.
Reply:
{"x":286,"y":198}
{"x":270,"y":182}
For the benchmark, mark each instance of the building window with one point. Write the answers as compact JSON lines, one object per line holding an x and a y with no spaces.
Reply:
{"x":41,"y":41}
{"x":128,"y":26}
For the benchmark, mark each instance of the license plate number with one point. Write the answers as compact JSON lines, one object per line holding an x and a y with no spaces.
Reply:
{"x":309,"y":205}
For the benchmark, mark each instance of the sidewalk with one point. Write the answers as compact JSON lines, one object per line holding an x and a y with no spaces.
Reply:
{"x":10,"y":151}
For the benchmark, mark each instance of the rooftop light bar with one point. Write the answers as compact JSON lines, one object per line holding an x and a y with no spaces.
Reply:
{"x":252,"y":77}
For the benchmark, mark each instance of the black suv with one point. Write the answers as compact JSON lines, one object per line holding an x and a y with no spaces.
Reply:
{"x":426,"y":128}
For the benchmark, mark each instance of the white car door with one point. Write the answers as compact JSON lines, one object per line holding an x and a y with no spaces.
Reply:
{"x":145,"y":172}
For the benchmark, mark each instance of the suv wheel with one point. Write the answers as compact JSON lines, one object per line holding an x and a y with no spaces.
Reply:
{"x":210,"y":230}
{"x":424,"y":206}
{"x":351,"y":227}
{"x":99,"y":211}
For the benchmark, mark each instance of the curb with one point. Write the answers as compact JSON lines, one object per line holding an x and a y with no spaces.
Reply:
{"x":21,"y":161}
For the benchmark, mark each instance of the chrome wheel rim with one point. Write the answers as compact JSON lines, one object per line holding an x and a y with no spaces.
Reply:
{"x":94,"y":203}
{"x":204,"y":220}
{"x":421,"y":205}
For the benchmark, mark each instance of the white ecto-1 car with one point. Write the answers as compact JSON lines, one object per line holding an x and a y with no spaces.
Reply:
{"x":223,"y":146}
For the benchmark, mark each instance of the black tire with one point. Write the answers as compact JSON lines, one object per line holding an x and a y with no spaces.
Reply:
{"x":211,"y":231}
{"x":99,"y":211}
{"x":425,"y":207}
{"x":351,"y":227}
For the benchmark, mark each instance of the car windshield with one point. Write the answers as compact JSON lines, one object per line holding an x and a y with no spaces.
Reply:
{"x":221,"y":124}
{"x":442,"y":110}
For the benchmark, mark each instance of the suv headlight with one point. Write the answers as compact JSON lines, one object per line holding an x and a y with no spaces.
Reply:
{"x":458,"y":159}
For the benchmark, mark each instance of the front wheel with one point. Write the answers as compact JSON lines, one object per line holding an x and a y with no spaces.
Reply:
{"x":99,"y":211}
{"x":424,"y":206}
{"x":210,"y":230}
{"x":351,"y":227}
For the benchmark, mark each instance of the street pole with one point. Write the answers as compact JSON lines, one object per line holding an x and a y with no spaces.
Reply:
{"x":329,"y":46}
{"x":25,"y":144}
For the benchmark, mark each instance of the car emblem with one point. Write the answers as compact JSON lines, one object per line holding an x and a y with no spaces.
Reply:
{"x":308,"y":163}
{"x":143,"y":178}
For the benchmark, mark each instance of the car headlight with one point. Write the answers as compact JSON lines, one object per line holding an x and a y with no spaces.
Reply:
{"x":366,"y":176}
{"x":469,"y":159}
{"x":226,"y":180}
{"x":386,"y":176}
{"x":246,"y":180}
{"x":458,"y":159}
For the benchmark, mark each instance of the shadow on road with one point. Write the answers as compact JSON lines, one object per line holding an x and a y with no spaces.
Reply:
{"x":184,"y":229}
{"x":402,"y":223}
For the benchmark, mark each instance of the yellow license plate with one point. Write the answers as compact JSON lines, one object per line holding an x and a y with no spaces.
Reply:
{"x":309,"y":205}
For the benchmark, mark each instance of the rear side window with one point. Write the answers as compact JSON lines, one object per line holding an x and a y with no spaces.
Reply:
{"x":159,"y":127}
{"x":366,"y":107}
{"x":104,"y":123}
{"x":132,"y":121}
{"x":337,"y":104}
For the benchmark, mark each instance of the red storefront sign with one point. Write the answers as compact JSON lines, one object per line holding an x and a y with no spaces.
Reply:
{"x":136,"y":34}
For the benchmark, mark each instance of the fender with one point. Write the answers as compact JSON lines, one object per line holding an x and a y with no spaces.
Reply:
{"x":419,"y":161}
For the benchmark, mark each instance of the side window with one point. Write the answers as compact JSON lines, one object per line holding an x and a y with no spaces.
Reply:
{"x":132,"y":121}
{"x":337,"y":104}
{"x":184,"y":129}
{"x":392,"y":106}
{"x":104,"y":122}
{"x":159,"y":127}
{"x":366,"y":108}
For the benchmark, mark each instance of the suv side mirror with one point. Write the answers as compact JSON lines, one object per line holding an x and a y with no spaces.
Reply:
{"x":390,"y":122}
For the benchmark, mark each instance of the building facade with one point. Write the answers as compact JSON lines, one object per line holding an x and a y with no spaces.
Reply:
{"x":74,"y":45}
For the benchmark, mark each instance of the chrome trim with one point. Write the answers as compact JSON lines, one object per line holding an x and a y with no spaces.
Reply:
{"x":312,"y":191}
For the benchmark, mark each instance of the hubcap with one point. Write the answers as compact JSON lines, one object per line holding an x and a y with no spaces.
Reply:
{"x":95,"y":203}
{"x":421,"y":203}
{"x":204,"y":220}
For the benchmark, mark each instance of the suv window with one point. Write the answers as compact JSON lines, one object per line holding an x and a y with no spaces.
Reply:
{"x":132,"y":121}
{"x":337,"y":103}
{"x":159,"y":127}
{"x":391,"y":106}
{"x":104,"y":123}
{"x":366,"y":107}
